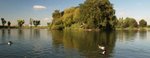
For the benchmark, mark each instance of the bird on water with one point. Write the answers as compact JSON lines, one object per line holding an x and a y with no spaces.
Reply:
{"x":9,"y":42}
{"x":102,"y":48}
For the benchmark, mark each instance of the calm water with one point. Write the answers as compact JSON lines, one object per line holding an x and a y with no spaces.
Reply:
{"x":42,"y":43}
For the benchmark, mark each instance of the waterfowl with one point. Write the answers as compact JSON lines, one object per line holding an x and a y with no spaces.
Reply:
{"x":101,"y":47}
{"x":103,"y":52}
{"x":9,"y":42}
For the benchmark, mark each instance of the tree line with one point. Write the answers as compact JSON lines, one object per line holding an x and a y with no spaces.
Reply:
{"x":20,"y":22}
{"x":130,"y":23}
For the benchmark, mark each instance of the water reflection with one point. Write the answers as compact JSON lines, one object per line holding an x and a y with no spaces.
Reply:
{"x":143,"y":34}
{"x":9,"y":33}
{"x":36,"y":33}
{"x":3,"y":36}
{"x":20,"y":33}
{"x":127,"y":35}
{"x":84,"y":44}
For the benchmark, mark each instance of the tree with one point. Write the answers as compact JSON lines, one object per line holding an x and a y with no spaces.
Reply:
{"x":142,"y":23}
{"x":20,"y":22}
{"x":9,"y":23}
{"x":92,"y":14}
{"x":31,"y":20}
{"x":130,"y":22}
{"x":36,"y":22}
{"x":3,"y":21}
{"x":120,"y":23}
{"x":98,"y":14}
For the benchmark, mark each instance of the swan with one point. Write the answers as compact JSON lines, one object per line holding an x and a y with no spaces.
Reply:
{"x":101,"y":47}
{"x":103,"y":52}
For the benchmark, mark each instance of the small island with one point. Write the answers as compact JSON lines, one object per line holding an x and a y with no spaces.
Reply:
{"x":93,"y":15}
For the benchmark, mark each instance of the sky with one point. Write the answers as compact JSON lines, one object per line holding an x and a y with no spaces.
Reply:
{"x":12,"y":10}
{"x":138,"y":9}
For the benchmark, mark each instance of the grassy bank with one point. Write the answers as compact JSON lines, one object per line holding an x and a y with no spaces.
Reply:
{"x":144,"y":28}
{"x":24,"y":27}
{"x":12,"y":27}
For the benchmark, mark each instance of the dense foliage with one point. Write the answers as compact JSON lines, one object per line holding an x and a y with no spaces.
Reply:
{"x":3,"y":21}
{"x":127,"y":23}
{"x":92,"y":14}
{"x":142,"y":23}
{"x":20,"y":22}
{"x":36,"y":22}
{"x":9,"y":23}
{"x":31,"y":21}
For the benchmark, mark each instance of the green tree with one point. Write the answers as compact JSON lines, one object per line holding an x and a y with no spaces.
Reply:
{"x":9,"y":24}
{"x":20,"y":22}
{"x":130,"y":22}
{"x":142,"y":23}
{"x":56,"y":15}
{"x":31,"y":20}
{"x":36,"y":22}
{"x":3,"y":21}
{"x":120,"y":23}
{"x":57,"y":23}
{"x":98,"y":14}
{"x":92,"y":14}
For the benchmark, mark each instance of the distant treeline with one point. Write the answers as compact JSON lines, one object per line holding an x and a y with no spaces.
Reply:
{"x":20,"y":23}
{"x":130,"y":23}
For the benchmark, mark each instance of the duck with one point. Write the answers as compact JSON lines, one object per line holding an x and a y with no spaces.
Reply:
{"x":9,"y":42}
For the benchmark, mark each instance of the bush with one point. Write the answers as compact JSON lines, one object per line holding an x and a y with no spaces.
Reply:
{"x":57,"y":27}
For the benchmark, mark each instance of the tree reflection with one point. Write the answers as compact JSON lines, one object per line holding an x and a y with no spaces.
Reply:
{"x":57,"y":38}
{"x":9,"y":33}
{"x":143,"y":34}
{"x":85,"y":43}
{"x":20,"y":34}
{"x":37,"y":33}
{"x":3,"y":36}
{"x":127,"y":35}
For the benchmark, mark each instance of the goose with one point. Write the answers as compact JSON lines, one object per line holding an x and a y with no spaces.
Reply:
{"x":9,"y":42}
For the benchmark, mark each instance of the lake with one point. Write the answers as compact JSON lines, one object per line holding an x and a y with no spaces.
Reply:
{"x":42,"y":43}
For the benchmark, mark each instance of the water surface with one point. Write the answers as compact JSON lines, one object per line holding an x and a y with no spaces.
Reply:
{"x":42,"y":43}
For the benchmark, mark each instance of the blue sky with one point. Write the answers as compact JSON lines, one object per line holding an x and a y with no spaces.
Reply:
{"x":138,"y":9}
{"x":12,"y":10}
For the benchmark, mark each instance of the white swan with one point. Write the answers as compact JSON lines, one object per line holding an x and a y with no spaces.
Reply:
{"x":101,"y":47}
{"x":103,"y":52}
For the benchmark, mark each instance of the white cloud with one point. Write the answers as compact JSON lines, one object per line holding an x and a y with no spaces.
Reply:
{"x":48,"y":19}
{"x":39,"y":7}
